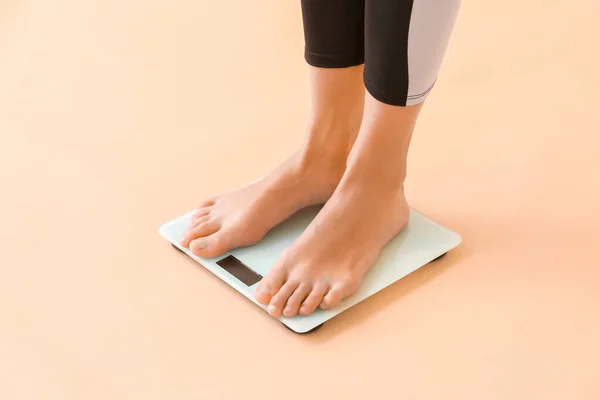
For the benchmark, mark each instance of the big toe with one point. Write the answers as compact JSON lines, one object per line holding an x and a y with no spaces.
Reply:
{"x":278,"y":301}
{"x":213,"y":245}
{"x":270,"y":285}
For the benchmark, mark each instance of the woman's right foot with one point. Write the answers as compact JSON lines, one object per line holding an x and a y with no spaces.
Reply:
{"x":243,"y":217}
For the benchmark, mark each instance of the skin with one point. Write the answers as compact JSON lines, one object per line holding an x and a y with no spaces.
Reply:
{"x":353,"y":160}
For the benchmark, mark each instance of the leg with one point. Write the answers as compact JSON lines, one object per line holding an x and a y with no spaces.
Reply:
{"x":333,"y":32}
{"x":368,"y":208}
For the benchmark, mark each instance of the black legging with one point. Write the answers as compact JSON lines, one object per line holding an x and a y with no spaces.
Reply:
{"x":401,"y":42}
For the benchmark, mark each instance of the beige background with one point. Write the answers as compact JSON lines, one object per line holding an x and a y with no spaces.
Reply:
{"x":118,"y":115}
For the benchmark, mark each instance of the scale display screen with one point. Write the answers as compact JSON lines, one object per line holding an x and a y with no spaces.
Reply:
{"x":240,"y":270}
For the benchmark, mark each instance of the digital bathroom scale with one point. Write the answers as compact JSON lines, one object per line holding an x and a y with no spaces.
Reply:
{"x":421,"y":242}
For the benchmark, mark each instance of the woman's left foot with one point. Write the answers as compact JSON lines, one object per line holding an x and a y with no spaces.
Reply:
{"x":328,"y":261}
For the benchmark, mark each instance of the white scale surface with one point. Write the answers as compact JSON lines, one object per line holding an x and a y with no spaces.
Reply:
{"x":420,"y":242}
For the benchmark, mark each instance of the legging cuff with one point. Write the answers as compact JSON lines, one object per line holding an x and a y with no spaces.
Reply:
{"x":332,"y":61}
{"x":394,"y":98}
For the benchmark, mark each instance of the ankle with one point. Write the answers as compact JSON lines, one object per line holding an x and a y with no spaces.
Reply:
{"x":328,"y":144}
{"x":375,"y":173}
{"x":323,"y":162}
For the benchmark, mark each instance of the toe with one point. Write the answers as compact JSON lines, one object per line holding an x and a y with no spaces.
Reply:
{"x":198,"y":221}
{"x":207,"y":203}
{"x":332,"y":298}
{"x":270,"y":284}
{"x":201,"y":212}
{"x":313,"y":300}
{"x":293,"y":303}
{"x":278,"y":301}
{"x":204,"y":228}
{"x":213,"y":245}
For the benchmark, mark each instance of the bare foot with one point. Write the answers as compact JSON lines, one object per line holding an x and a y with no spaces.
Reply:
{"x":329,"y":260}
{"x":327,"y":263}
{"x":243,"y":217}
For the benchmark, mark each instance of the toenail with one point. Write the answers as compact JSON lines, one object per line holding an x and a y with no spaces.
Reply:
{"x":287,"y":310}
{"x":182,"y":240}
{"x":272,"y":309}
{"x":264,"y":290}
{"x":303,"y":309}
{"x":199,"y":244}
